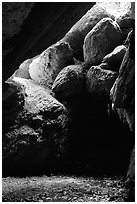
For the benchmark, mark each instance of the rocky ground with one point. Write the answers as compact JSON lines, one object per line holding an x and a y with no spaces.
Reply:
{"x":64,"y":189}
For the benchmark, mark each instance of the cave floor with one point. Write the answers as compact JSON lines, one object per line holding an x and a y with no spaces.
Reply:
{"x":63,"y":189}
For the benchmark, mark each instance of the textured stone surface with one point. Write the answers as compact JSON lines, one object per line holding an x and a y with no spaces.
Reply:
{"x":75,"y":36}
{"x":117,"y":8}
{"x":131,"y":176}
{"x":69,"y":81}
{"x":33,"y":128}
{"x":123,"y":89}
{"x":123,"y":99}
{"x":114,"y":59}
{"x":100,"y":81}
{"x":101,"y":40}
{"x":23,"y":71}
{"x":49,"y":63}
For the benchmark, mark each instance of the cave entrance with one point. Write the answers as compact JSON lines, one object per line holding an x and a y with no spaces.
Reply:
{"x":100,"y":144}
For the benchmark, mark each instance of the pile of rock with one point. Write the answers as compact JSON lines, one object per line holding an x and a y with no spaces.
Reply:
{"x":94,"y":56}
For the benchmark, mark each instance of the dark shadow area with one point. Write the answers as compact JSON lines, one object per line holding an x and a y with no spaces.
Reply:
{"x":98,"y":143}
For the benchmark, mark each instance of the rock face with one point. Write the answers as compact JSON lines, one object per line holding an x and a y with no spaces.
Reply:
{"x":69,"y":81}
{"x":123,"y":98}
{"x":114,"y":59}
{"x":123,"y":90}
{"x":45,"y":68}
{"x":127,"y":20}
{"x":101,"y":40}
{"x":100,"y":81}
{"x":75,"y":37}
{"x":117,"y":8}
{"x":13,"y":16}
{"x":36,"y":135}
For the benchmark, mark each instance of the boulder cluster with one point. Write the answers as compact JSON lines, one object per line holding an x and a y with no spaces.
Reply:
{"x":96,"y":57}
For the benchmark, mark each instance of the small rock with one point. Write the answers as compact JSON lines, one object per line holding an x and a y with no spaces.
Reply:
{"x":114,"y":59}
{"x":101,"y":40}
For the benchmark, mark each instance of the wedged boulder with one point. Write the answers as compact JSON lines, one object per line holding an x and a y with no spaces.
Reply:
{"x":101,"y":40}
{"x":75,"y":36}
{"x":69,"y":81}
{"x":100,"y":81}
{"x":114,"y":59}
{"x":35,"y":132}
{"x":49,"y":63}
{"x":23,"y":71}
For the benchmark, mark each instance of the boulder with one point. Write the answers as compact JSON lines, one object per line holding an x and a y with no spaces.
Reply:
{"x":34,"y":130}
{"x":101,"y":40}
{"x":114,"y":59}
{"x":75,"y":36}
{"x":49,"y":63}
{"x":69,"y":81}
{"x":100,"y":81}
{"x":23,"y":71}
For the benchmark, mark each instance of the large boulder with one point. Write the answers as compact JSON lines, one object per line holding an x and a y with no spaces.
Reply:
{"x":114,"y":59}
{"x":34,"y":129}
{"x":75,"y":36}
{"x":49,"y":63}
{"x":101,"y":40}
{"x":100,"y":81}
{"x":69,"y":81}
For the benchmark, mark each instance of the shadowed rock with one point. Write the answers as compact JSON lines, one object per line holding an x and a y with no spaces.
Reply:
{"x":69,"y":81}
{"x":114,"y":59}
{"x":34,"y":135}
{"x":100,"y":81}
